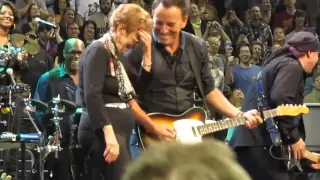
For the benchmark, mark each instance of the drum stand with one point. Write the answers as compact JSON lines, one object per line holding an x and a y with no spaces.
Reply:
{"x":45,"y":149}
{"x":55,"y":146}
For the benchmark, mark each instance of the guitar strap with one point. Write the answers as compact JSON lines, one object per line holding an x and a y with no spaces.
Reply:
{"x":195,"y":63}
{"x":271,"y":125}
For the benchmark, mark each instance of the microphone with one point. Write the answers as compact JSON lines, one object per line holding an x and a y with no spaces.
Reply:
{"x":10,"y":73}
{"x":38,"y":20}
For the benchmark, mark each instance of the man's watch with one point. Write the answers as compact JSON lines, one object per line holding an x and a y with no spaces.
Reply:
{"x":146,"y":65}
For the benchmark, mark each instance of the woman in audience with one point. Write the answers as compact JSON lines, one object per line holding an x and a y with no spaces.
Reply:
{"x":59,"y":7}
{"x":33,"y":12}
{"x":300,"y":22}
{"x":279,"y":36}
{"x":68,"y":16}
{"x":89,"y":32}
{"x":9,"y":57}
{"x":107,"y":94}
{"x":216,"y":59}
{"x":236,"y":99}
{"x":214,"y":29}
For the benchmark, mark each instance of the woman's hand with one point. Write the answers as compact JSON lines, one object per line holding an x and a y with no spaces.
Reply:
{"x":22,"y":55}
{"x":112,"y":150}
{"x":146,"y":39}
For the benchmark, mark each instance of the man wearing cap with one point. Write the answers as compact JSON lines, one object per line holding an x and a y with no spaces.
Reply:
{"x":283,"y":75}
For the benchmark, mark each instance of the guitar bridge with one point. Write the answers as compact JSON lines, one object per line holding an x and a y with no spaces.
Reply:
{"x":194,"y":131}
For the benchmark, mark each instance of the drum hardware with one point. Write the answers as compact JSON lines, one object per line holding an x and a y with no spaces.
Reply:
{"x":57,"y":107}
{"x":8,"y":96}
{"x":56,"y":111}
{"x":24,"y":43}
{"x":38,"y":137}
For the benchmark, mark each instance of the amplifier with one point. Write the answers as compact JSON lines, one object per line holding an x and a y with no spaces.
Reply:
{"x":312,"y":127}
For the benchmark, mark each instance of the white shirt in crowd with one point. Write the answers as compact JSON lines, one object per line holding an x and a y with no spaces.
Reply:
{"x":85,"y":7}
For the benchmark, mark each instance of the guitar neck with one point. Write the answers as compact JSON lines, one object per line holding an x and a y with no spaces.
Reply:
{"x":231,"y":122}
{"x":312,"y":157}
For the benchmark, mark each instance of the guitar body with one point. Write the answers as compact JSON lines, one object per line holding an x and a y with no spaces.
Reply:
{"x":182,"y":124}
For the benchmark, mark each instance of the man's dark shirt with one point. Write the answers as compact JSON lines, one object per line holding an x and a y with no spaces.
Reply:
{"x":53,"y":83}
{"x":38,"y":64}
{"x":171,"y":84}
{"x":283,"y":82}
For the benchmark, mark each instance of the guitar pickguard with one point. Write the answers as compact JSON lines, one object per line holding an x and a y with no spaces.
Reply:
{"x":146,"y":138}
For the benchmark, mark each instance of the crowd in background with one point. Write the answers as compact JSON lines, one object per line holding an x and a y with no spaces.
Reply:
{"x":237,"y":40}
{"x":239,"y":35}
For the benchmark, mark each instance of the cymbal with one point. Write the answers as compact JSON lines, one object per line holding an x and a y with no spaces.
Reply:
{"x":17,"y":39}
{"x":32,"y":47}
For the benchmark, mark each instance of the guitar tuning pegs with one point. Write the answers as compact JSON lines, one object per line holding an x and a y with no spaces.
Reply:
{"x":287,"y":105}
{"x":304,"y":106}
{"x":291,"y":105}
{"x":299,"y":105}
{"x":295,"y":105}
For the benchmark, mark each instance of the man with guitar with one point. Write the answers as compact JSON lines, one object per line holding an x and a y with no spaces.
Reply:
{"x":168,"y":69}
{"x":269,"y":151}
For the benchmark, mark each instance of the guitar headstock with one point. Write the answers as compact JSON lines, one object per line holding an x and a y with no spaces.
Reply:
{"x":292,"y":110}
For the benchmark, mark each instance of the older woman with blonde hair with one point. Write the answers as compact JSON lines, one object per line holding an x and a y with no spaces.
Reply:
{"x":106,"y":94}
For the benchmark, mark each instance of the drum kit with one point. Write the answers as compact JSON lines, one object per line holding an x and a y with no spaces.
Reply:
{"x":16,"y":97}
{"x":28,"y":43}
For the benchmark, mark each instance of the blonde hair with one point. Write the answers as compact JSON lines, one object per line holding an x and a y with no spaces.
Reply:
{"x":132,"y":16}
{"x":168,"y":161}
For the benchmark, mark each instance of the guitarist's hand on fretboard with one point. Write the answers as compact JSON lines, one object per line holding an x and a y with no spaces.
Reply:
{"x":252,"y":118}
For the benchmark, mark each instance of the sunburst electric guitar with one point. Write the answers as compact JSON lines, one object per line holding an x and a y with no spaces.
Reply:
{"x":190,"y":126}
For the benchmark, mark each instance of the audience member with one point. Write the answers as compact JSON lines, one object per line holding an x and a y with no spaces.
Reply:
{"x":209,"y":160}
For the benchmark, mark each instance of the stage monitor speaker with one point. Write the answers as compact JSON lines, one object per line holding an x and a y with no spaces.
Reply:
{"x":312,"y":127}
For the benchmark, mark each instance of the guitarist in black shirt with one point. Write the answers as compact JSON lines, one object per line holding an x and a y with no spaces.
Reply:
{"x":282,"y":76}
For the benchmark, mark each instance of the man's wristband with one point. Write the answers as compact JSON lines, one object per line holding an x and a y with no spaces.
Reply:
{"x":146,"y":65}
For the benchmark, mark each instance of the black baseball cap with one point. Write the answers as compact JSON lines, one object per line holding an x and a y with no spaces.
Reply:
{"x":304,"y":41}
{"x":42,"y":27}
